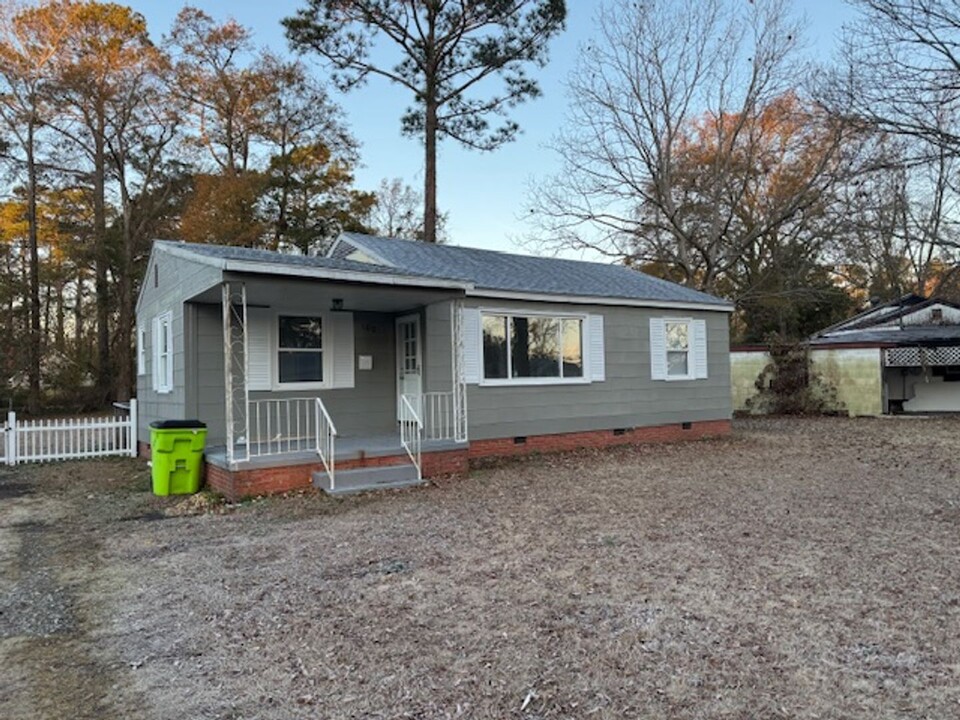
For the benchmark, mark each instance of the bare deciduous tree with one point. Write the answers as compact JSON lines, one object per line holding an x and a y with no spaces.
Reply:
{"x":686,"y":143}
{"x":398,"y":212}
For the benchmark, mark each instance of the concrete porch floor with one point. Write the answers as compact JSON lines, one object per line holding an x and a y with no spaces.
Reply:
{"x":347,"y":448}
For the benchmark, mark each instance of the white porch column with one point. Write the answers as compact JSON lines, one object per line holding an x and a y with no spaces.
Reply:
{"x":235,"y":370}
{"x":457,"y":374}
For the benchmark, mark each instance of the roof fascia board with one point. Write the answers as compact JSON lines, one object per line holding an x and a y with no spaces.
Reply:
{"x":246,"y":266}
{"x":182,"y":250}
{"x":598,"y":300}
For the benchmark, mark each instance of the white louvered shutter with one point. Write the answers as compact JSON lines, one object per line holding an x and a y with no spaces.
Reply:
{"x":168,"y":381}
{"x":342,"y":348}
{"x":595,"y":348}
{"x":155,"y":351}
{"x":658,"y":349}
{"x":470,"y":326}
{"x":260,"y":349}
{"x":699,"y":348}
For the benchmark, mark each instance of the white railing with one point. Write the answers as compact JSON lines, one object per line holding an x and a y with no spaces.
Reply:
{"x":45,"y":440}
{"x":326,"y":440}
{"x":281,"y":426}
{"x":437,"y":413}
{"x":411,"y":432}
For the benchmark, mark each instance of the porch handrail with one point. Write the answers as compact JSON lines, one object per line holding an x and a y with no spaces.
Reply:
{"x":411,"y":433}
{"x":326,"y":440}
{"x":279,"y":425}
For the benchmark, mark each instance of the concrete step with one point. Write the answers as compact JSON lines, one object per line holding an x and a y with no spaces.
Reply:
{"x":357,"y":480}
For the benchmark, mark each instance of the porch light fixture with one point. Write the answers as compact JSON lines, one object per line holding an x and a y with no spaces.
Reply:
{"x":337,"y":305}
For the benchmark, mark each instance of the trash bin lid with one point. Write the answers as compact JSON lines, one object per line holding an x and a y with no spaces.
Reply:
{"x":178,"y":424}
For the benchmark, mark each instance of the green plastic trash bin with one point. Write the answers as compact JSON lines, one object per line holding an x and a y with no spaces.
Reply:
{"x":177,"y":450}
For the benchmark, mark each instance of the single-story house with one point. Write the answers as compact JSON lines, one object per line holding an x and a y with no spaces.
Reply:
{"x":901,"y":356}
{"x":388,"y":360}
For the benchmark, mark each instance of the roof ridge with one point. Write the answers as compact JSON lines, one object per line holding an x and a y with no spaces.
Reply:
{"x":597,"y":263}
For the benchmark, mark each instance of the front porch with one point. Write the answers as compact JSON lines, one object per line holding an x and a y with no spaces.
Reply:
{"x":334,"y":382}
{"x":359,"y":464}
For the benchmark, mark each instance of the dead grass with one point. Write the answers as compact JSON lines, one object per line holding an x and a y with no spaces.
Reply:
{"x":801,"y":569}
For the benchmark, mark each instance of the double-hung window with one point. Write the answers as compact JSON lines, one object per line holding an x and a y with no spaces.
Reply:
{"x":300,"y":349}
{"x":163,"y":353}
{"x":532,"y":348}
{"x":678,"y":348}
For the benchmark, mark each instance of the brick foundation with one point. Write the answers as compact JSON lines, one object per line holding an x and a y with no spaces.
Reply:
{"x":267,"y":481}
{"x":560,"y":442}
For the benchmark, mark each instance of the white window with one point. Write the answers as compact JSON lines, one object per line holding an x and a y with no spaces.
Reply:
{"x":141,"y":350}
{"x":299,"y":349}
{"x":163,"y":353}
{"x":678,"y":349}
{"x":530,"y":349}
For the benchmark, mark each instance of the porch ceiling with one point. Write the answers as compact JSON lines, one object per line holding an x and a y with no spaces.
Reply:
{"x":291,"y":293}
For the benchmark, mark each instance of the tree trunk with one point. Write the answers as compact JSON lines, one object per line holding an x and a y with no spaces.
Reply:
{"x":125,"y":292}
{"x":34,"y":350}
{"x":101,"y":261}
{"x":430,"y":173}
{"x":430,"y":129}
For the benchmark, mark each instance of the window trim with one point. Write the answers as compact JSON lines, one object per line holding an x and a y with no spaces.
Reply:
{"x":326,"y":351}
{"x":584,"y":379}
{"x":163,"y":385}
{"x":666,"y":349}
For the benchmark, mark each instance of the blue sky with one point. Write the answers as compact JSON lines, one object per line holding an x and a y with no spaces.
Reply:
{"x":484,"y":193}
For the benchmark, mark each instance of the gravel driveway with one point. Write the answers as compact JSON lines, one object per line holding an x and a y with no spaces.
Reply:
{"x":799,"y":569}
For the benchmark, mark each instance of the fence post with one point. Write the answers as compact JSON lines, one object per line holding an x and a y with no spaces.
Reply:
{"x":11,"y":438}
{"x":133,"y":427}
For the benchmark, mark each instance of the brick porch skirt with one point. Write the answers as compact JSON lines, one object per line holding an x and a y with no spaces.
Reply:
{"x":238,"y":484}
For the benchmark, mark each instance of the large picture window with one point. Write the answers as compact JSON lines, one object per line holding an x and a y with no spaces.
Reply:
{"x":300,"y":349}
{"x":532,"y":347}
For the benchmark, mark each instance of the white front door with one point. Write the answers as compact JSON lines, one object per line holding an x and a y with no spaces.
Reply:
{"x":409,"y":365}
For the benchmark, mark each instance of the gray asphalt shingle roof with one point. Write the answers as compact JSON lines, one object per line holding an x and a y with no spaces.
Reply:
{"x":492,"y":270}
{"x":241,"y":254}
{"x":484,"y":269}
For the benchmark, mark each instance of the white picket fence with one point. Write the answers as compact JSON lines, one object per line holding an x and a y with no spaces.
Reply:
{"x":45,"y":440}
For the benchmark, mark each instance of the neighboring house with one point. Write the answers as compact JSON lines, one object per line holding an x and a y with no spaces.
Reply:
{"x":899,"y":356}
{"x":388,"y":360}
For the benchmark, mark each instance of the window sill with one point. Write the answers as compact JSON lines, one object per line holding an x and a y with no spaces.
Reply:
{"x":514,"y":382}
{"x":282,"y":387}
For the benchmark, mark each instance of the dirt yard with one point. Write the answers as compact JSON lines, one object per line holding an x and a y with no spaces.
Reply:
{"x":800,"y":569}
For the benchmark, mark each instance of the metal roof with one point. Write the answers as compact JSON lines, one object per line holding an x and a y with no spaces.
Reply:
{"x":910,"y":335}
{"x":494,"y":270}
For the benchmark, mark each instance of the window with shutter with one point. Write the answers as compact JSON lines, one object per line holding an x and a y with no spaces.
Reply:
{"x":678,"y":349}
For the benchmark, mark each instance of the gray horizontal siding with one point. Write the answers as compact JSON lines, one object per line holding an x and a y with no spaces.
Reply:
{"x":627,"y":398}
{"x":177,"y":279}
{"x":367,"y":408}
